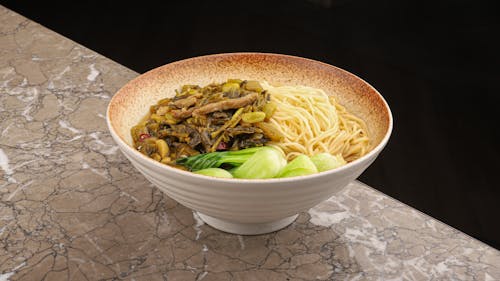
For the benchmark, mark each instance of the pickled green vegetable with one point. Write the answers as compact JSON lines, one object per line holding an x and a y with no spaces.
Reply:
{"x":253,"y":117}
{"x":269,"y":109}
{"x":169,"y":119}
{"x":227,"y":87}
{"x":157,"y":118}
{"x":271,"y":131}
{"x":201,"y":120}
{"x":238,"y":81}
{"x":253,"y":86}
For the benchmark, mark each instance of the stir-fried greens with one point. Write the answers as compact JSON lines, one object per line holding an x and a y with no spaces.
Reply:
{"x":228,"y":116}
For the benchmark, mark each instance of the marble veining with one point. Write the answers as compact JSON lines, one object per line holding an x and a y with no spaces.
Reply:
{"x":4,"y":163}
{"x":73,"y":208}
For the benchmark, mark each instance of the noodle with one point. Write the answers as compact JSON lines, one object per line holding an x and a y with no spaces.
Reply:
{"x":313,"y":122}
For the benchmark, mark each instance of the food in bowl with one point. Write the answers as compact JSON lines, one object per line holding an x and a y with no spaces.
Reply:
{"x":248,"y":206}
{"x":251,"y":129}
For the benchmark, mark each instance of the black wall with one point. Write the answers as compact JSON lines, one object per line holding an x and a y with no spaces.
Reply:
{"x":435,"y":63}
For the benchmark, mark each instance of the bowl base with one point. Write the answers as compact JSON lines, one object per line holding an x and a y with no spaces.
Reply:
{"x":247,"y":228}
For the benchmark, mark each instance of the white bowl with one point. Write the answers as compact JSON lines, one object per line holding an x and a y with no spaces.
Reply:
{"x":246,"y":206}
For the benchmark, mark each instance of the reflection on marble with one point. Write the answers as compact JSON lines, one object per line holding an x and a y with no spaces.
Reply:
{"x":73,"y":208}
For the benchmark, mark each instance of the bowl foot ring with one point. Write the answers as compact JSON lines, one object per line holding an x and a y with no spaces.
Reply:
{"x":247,"y":228}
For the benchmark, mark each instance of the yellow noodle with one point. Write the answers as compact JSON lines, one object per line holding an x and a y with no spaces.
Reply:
{"x":313,"y":122}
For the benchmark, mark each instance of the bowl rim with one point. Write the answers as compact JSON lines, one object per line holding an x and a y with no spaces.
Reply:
{"x":373,"y":152}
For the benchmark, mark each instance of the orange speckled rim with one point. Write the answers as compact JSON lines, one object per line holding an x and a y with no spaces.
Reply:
{"x":354,"y":93}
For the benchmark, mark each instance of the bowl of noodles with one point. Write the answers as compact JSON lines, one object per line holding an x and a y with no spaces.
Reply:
{"x":249,"y":140}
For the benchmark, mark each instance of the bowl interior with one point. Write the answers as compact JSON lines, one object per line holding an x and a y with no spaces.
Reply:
{"x":131,"y":103}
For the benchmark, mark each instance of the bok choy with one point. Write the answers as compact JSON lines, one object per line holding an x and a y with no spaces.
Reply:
{"x":265,"y":163}
{"x":300,"y":166}
{"x":326,"y":161}
{"x":215,"y":172}
{"x":216,"y":159}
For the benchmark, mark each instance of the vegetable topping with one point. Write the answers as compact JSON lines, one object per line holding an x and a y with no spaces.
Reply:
{"x":218,"y":117}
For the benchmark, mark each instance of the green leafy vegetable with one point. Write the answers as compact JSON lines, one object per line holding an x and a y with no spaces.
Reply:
{"x":216,"y":159}
{"x":300,"y":166}
{"x":265,"y":163}
{"x":215,"y":172}
{"x":326,"y":161}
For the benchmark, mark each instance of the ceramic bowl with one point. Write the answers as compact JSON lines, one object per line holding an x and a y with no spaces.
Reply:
{"x":246,"y":206}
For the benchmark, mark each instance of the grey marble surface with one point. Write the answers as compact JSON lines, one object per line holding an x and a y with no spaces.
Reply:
{"x":73,"y":208}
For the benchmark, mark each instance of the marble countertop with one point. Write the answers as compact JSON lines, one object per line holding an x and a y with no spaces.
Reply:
{"x":73,"y":208}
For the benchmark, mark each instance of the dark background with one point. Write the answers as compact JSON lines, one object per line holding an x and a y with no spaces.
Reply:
{"x":435,"y":63}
